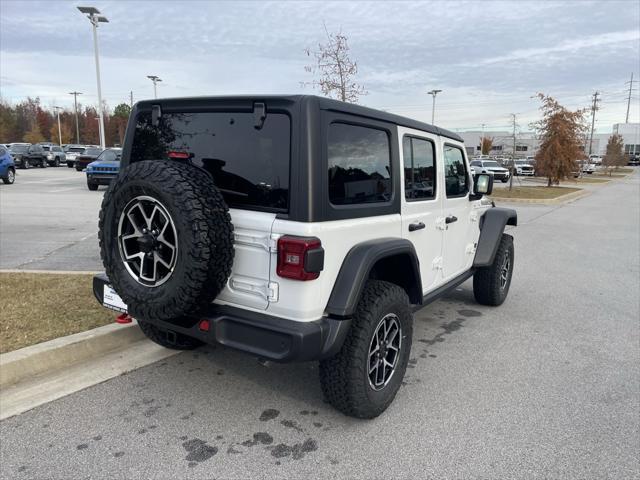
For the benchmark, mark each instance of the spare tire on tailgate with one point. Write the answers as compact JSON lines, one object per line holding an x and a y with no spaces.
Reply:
{"x":166,"y":239}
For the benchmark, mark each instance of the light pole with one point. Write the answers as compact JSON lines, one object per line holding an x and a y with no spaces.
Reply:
{"x":155,"y":79}
{"x":59,"y":129}
{"x":433,"y":93}
{"x":93,"y":14}
{"x":75,"y":106}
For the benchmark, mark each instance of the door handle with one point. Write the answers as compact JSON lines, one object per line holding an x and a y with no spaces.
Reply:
{"x":416,"y":226}
{"x":450,"y":219}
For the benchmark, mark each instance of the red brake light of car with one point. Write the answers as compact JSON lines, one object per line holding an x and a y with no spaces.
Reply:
{"x":182,"y":155}
{"x":300,"y":258}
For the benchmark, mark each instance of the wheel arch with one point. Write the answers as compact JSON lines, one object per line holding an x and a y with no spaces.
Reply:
{"x":390,"y":259}
{"x":492,"y":225}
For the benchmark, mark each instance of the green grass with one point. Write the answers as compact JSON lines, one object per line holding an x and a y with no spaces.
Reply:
{"x":38,"y":307}
{"x":533,"y":193}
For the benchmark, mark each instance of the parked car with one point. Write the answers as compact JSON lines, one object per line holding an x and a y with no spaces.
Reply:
{"x":7,"y":167}
{"x":104,"y":168}
{"x":215,"y":231}
{"x":595,"y":159}
{"x":86,"y":157}
{"x":634,"y":160}
{"x":588,"y":168}
{"x":28,"y":155}
{"x":55,"y":155}
{"x":71,"y":152}
{"x":491,"y":167}
{"x":523,"y":167}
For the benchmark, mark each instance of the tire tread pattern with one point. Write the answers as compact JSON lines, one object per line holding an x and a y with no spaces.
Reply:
{"x":486,"y":280}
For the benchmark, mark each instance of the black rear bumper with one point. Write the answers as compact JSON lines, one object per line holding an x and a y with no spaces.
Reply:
{"x":259,"y":334}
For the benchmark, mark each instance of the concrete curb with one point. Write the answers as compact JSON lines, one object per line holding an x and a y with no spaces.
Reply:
{"x":567,"y":198}
{"x":47,"y":357}
{"x":53,"y":272}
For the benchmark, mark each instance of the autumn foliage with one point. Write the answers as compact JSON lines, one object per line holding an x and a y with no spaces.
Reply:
{"x":29,"y":121}
{"x":560,"y":132}
{"x":615,"y":153}
{"x":485,"y":145}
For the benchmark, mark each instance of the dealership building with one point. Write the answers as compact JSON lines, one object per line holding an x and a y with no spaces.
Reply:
{"x":527,"y":143}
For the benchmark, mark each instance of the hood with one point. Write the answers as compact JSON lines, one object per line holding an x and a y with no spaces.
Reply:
{"x":104,"y":163}
{"x":496,"y":169}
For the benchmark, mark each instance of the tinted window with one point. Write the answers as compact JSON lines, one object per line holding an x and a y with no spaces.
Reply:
{"x":46,"y":148}
{"x":92,"y":151}
{"x":359,"y":165}
{"x":419,"y":169}
{"x":109,"y":155}
{"x":77,"y":149}
{"x":250,"y":166}
{"x":476,"y":164}
{"x":455,"y":172}
{"x":18,"y":148}
{"x":35,"y":149}
{"x":56,"y":149}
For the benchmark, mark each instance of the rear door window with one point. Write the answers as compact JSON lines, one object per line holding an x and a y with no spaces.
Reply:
{"x":419,"y":168}
{"x":359,"y":164}
{"x":250,"y":166}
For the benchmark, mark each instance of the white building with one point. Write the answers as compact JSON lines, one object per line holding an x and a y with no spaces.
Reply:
{"x":527,"y":143}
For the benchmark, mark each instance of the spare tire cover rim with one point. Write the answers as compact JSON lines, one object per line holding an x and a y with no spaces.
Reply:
{"x":147,"y":241}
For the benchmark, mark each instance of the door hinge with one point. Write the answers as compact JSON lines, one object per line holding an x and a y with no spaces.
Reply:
{"x":268,"y":243}
{"x":273,"y":292}
{"x":471,"y":248}
{"x":441,"y":223}
{"x":473,"y":217}
{"x":437,"y":263}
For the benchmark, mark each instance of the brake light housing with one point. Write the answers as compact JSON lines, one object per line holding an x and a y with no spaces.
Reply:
{"x":300,"y":258}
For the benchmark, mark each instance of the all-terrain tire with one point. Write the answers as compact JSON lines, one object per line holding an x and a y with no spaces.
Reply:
{"x":204,"y":238}
{"x":490,"y":286}
{"x":175,"y":341}
{"x":344,"y":378}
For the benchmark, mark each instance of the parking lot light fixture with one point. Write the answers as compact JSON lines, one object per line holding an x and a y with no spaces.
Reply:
{"x":93,"y":14}
{"x":433,"y":93}
{"x":155,"y":79}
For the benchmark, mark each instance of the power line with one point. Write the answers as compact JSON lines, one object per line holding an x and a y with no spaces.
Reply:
{"x":629,"y":97}
{"x":75,"y":104}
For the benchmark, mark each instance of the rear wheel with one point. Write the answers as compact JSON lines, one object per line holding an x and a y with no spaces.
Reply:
{"x":26,"y":164}
{"x":168,"y":339}
{"x":69,"y":164}
{"x":56,"y":162}
{"x":491,"y":284}
{"x":10,"y":178}
{"x":364,"y":377}
{"x":43,"y":164}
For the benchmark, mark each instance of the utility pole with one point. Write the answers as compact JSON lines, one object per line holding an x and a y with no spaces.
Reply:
{"x":59,"y":129}
{"x":594,"y":108}
{"x":513,"y":157}
{"x":433,"y":93}
{"x":629,"y":97}
{"x":75,"y":106}
{"x":155,"y":79}
{"x":131,"y":98}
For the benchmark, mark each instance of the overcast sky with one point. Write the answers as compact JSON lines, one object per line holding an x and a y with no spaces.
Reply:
{"x":488,"y":58}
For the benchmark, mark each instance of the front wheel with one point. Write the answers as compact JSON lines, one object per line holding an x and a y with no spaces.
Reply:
{"x":69,"y":164}
{"x":167,"y":339}
{"x":26,"y":164}
{"x":491,"y":284}
{"x":78,"y":168}
{"x":505,"y":180}
{"x":92,"y":186}
{"x":364,"y":377}
{"x":43,"y":164}
{"x":10,"y":178}
{"x":56,"y":162}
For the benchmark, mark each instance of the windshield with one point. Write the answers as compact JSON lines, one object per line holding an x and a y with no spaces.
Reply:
{"x":75,"y":149}
{"x":491,"y":164}
{"x":249,"y":165}
{"x":110,"y":155}
{"x":19,"y":148}
{"x":92,"y":151}
{"x":46,"y":148}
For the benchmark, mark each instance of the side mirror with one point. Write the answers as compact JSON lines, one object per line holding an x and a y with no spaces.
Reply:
{"x":482,"y":185}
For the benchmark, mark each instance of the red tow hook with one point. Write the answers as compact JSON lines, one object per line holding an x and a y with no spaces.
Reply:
{"x":124,"y":318}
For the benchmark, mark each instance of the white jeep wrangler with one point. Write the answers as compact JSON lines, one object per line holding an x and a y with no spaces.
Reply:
{"x":296,"y":228}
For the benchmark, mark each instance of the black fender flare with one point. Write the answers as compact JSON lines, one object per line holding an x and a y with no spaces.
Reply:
{"x":358,"y":265}
{"x":492,"y":225}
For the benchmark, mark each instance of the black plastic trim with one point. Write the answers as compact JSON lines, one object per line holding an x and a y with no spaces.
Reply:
{"x":441,"y":290}
{"x":492,"y":225}
{"x":314,"y":260}
{"x":259,"y":334}
{"x":357,"y":267}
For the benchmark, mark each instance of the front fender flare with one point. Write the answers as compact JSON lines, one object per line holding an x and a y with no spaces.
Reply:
{"x":492,"y":226}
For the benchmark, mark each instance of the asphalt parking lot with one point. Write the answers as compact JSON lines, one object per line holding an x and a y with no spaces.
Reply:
{"x":546,"y":386}
{"x":49,"y":221}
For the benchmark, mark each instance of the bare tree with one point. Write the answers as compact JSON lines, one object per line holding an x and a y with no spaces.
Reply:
{"x":560,"y":132}
{"x":485,"y":144}
{"x":615,"y":153}
{"x":335,"y":68}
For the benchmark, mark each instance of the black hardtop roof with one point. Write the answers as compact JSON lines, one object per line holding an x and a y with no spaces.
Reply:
{"x":323,"y":102}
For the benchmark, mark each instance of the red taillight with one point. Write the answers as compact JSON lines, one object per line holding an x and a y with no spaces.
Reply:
{"x":300,"y":258}
{"x":183,"y":155}
{"x":124,"y":318}
{"x":204,"y":325}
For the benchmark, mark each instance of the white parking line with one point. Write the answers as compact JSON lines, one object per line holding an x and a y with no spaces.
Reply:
{"x":62,"y":190}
